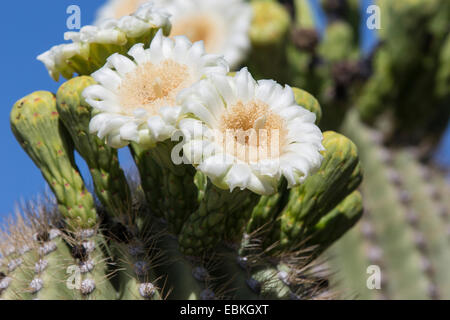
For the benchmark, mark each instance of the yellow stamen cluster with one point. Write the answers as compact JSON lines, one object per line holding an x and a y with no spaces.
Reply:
{"x":152,"y":86}
{"x":200,"y":26}
{"x":252,"y":132}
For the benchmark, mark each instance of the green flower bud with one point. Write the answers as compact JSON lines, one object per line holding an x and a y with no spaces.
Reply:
{"x":35,"y":124}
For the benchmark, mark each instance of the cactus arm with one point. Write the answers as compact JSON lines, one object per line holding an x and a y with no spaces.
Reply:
{"x":100,"y":274}
{"x":234,"y":275}
{"x":322,"y":191}
{"x":349,"y":260}
{"x":272,"y":287}
{"x":304,"y":15}
{"x":268,"y":36}
{"x":109,"y":180}
{"x":219,"y":209}
{"x":149,"y":176}
{"x":19,"y":276}
{"x":179,"y":271}
{"x":267,"y":209}
{"x":54,"y":276}
{"x":335,"y":223}
{"x":338,"y":43}
{"x":134,"y":273}
{"x":443,"y":73}
{"x":35,"y":124}
{"x":430,"y":225}
{"x":401,"y":257}
{"x":442,"y":189}
{"x":178,"y":189}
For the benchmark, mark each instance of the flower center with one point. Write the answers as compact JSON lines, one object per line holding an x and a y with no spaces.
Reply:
{"x":252,"y":132}
{"x":125,"y":8}
{"x":152,"y":86}
{"x":201,"y":26}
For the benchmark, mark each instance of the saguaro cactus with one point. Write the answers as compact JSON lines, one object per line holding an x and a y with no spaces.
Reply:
{"x":181,"y":230}
{"x":224,"y":223}
{"x":404,"y":231}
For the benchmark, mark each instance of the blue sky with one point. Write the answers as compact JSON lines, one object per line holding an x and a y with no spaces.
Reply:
{"x":30,"y":28}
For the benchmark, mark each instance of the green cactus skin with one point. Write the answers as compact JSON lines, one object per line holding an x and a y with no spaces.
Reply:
{"x":35,"y":124}
{"x":329,"y":68}
{"x":349,"y":260}
{"x":179,"y":269}
{"x":104,"y":289}
{"x":303,"y":14}
{"x":338,"y":42}
{"x":221,"y":213}
{"x":380,"y":85}
{"x":335,"y":223}
{"x":54,"y":274}
{"x":19,"y":272}
{"x":175,"y":196}
{"x":346,"y":10}
{"x":443,"y":75}
{"x":110,"y":184}
{"x":397,"y":242}
{"x":267,"y":209}
{"x":320,"y":193}
{"x":430,"y":225}
{"x":268,"y":36}
{"x":55,"y":265}
{"x":178,"y":190}
{"x":272,"y":287}
{"x":391,"y":91}
{"x":134,"y":271}
{"x":403,"y":221}
{"x":307,"y":101}
{"x":149,"y":176}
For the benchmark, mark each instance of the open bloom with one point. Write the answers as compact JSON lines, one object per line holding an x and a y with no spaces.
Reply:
{"x":223,"y":25}
{"x":136,"y":98}
{"x":92,"y":44}
{"x":115,"y":9}
{"x":247,"y":134}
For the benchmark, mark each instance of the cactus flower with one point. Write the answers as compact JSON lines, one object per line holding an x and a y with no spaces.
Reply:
{"x":136,"y":98}
{"x":223,"y":25}
{"x":92,"y":44}
{"x":115,"y":9}
{"x":247,"y":134}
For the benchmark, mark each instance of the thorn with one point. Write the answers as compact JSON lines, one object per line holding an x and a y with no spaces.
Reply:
{"x":87,"y":286}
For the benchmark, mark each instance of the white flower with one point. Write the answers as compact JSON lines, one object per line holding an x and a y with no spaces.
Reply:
{"x":136,"y":99}
{"x":116,"y":9}
{"x":223,"y":25}
{"x":247,"y":134}
{"x":82,"y":58}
